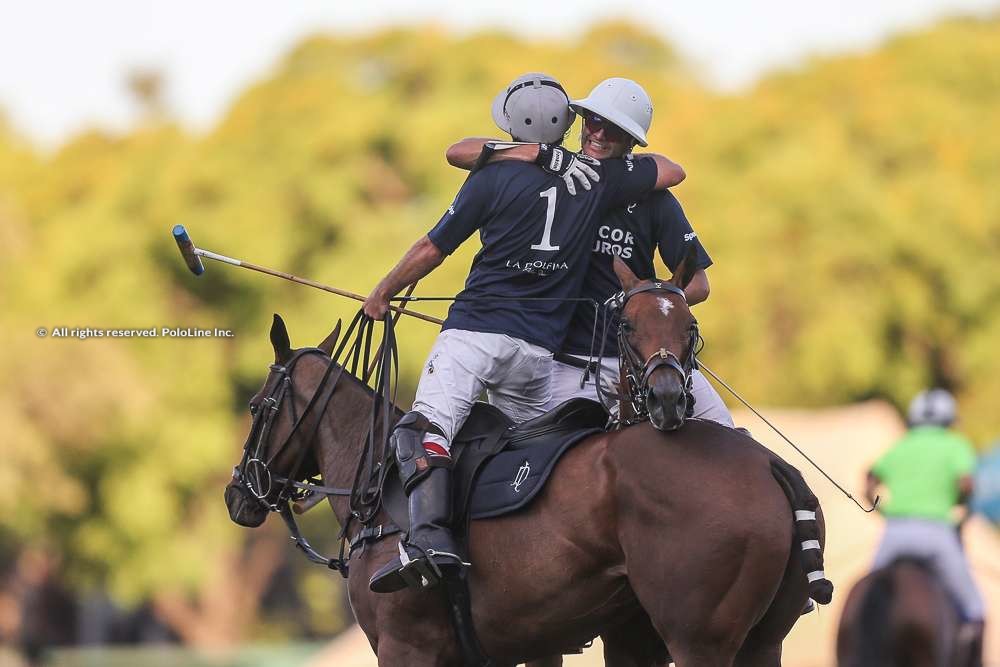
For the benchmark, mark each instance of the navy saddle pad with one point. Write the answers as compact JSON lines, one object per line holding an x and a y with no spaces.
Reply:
{"x":512,"y":478}
{"x":501,"y":467}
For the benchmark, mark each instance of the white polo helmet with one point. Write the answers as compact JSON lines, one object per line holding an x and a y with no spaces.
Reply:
{"x":932,"y":407}
{"x":534,"y":107}
{"x":621,"y":101}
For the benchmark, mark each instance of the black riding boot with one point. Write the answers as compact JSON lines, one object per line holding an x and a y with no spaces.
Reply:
{"x":428,"y":552}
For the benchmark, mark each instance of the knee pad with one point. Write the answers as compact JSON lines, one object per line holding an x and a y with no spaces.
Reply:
{"x":407,"y":442}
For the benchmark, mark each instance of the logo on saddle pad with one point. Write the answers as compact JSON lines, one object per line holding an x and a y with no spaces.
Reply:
{"x":521,"y":476}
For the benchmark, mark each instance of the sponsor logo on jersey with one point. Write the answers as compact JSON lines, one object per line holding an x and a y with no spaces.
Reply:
{"x":538,"y":266}
{"x":689,"y":236}
{"x":629,"y":165}
{"x":631,"y":207}
{"x":614,"y":241}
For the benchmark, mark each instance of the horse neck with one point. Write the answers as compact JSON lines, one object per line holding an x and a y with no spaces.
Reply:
{"x":342,"y":437}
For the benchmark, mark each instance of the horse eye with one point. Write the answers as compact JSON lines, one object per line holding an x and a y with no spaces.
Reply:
{"x":626,"y":325}
{"x":254,"y":409}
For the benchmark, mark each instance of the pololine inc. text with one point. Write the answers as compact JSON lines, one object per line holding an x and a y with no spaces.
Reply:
{"x":83,"y":333}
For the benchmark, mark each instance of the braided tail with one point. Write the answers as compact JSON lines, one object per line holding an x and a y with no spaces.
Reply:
{"x":804,"y":505}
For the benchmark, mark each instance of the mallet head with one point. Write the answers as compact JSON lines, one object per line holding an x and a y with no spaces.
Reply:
{"x":191,"y":258}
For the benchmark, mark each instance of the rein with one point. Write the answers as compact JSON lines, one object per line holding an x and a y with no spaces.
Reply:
{"x":253,"y":471}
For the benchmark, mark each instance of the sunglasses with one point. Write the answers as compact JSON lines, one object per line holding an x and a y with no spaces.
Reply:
{"x":612,"y":132}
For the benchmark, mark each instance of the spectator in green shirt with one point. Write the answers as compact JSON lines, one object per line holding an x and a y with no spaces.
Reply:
{"x":927,"y":474}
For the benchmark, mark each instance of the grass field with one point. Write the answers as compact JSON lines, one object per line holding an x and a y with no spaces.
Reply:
{"x":285,"y":655}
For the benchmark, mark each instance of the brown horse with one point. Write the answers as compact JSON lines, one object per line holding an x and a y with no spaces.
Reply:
{"x":901,"y":616}
{"x":639,"y":535}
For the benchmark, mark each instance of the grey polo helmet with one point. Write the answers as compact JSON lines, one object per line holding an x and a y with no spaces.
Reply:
{"x":621,"y":101}
{"x":534,"y":107}
{"x":933,"y":407}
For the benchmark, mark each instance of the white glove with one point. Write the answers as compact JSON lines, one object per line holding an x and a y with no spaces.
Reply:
{"x":561,"y":162}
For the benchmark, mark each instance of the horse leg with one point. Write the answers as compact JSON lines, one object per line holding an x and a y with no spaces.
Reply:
{"x":409,"y":627}
{"x":634,"y":643}
{"x":551,"y":661}
{"x":756,"y":652}
{"x":706,"y":613}
{"x":702,"y":653}
{"x":762,"y":647}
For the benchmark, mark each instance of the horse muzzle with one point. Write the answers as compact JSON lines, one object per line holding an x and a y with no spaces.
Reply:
{"x":666,"y":403}
{"x":244,"y":508}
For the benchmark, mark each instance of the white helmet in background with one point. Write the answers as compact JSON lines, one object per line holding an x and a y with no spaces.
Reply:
{"x":932,"y":407}
{"x":534,"y":107}
{"x":623,"y":102}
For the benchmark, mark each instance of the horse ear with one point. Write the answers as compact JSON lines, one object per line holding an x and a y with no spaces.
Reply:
{"x":331,"y":340}
{"x":279,"y":340}
{"x":687,"y":268}
{"x":625,"y":275}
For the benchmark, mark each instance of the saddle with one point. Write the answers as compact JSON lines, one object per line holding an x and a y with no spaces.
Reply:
{"x":499,"y":466}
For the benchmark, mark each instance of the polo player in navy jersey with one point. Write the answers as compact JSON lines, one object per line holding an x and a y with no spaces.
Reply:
{"x":536,"y":239}
{"x":616,"y":116}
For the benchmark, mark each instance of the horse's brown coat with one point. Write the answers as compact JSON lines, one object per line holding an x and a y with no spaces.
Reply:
{"x":690,"y":525}
{"x":916,"y":624}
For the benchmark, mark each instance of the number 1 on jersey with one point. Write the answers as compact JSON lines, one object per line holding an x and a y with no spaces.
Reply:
{"x":550,"y":214}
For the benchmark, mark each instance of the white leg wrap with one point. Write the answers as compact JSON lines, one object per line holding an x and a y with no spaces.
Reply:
{"x":805,"y":515}
{"x":815,"y":576}
{"x":810,"y":544}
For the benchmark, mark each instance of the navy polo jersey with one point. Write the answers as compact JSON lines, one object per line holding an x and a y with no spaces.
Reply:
{"x":634,"y":232}
{"x":536,"y":242}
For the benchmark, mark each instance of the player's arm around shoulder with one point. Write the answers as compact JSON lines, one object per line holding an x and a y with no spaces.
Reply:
{"x":475,"y":152}
{"x":463,"y":154}
{"x":698,"y":289}
{"x":574,"y":168}
{"x":668,"y":172}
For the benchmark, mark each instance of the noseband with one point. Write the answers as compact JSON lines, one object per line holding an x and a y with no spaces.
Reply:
{"x":637,"y":371}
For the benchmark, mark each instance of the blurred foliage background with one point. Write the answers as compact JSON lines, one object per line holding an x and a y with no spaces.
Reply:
{"x":851,"y":206}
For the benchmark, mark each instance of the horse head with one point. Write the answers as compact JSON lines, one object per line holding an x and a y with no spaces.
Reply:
{"x":285,"y":414}
{"x":656,"y":337}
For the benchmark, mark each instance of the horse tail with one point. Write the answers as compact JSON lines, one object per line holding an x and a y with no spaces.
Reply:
{"x":804,"y":505}
{"x":873,"y":617}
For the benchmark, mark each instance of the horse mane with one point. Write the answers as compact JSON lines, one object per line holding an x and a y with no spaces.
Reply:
{"x":367,"y":389}
{"x":873,"y":617}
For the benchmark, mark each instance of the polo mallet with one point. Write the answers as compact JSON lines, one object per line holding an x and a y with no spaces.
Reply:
{"x":192,"y":257}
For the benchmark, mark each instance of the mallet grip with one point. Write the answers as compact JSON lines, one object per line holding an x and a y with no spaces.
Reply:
{"x":188,"y":251}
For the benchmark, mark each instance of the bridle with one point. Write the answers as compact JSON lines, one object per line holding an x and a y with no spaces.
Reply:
{"x":254,"y":473}
{"x":636,"y":371}
{"x":254,"y":470}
